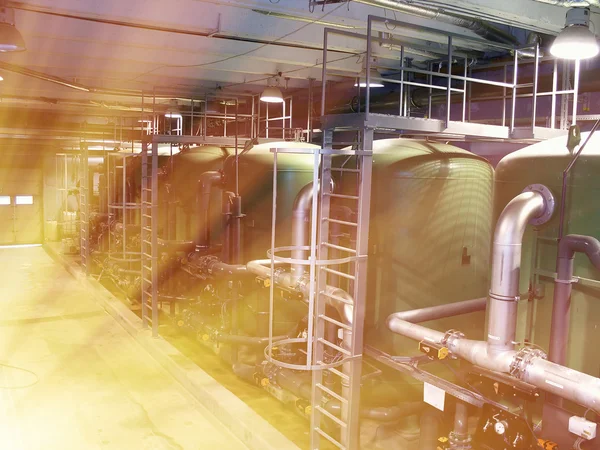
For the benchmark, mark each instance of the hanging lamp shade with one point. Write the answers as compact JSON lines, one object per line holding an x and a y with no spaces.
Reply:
{"x":374,"y":82}
{"x":10,"y":38}
{"x":271,"y":94}
{"x":576,"y":41}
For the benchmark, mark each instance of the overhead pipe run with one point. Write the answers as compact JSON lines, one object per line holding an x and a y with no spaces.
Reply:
{"x":535,"y":205}
{"x":479,"y":27}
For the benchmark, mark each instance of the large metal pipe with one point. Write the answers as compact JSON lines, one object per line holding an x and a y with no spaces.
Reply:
{"x":535,"y":203}
{"x":441,"y":311}
{"x":300,"y":218}
{"x":479,"y":27}
{"x":206,"y":182}
{"x":527,"y":364}
{"x":559,"y":330}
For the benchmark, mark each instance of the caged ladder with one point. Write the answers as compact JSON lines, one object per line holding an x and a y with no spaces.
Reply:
{"x":354,"y":274}
{"x":149,"y":237}
{"x":336,"y":280}
{"x":84,"y":209}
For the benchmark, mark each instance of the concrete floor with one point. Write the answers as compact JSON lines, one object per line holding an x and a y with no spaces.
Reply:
{"x":87,"y":383}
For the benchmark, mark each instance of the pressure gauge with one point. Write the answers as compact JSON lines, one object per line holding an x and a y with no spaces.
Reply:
{"x":500,"y":427}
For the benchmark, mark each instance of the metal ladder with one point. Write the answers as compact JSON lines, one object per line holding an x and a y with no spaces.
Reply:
{"x":149,"y":237}
{"x":84,"y":206}
{"x":347,"y":425}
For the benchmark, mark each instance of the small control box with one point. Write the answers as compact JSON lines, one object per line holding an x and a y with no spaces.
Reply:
{"x":582,"y":427}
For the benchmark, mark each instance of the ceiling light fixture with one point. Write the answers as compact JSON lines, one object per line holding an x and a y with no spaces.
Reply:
{"x":576,"y":41}
{"x":10,"y":38}
{"x":272,"y":94}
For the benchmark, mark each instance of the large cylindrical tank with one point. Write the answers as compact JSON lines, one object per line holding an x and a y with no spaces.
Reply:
{"x":184,"y":170}
{"x":544,"y":163}
{"x":430,"y":232}
{"x":256,"y":189}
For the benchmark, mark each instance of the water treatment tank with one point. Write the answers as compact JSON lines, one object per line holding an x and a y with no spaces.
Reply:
{"x":430,"y":232}
{"x":294,"y":171}
{"x":544,"y":163}
{"x":184,"y":170}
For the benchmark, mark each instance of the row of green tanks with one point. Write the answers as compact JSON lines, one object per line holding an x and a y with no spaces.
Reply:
{"x":430,"y":227}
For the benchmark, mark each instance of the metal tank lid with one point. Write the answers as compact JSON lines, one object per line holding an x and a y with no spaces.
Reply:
{"x":555,"y":147}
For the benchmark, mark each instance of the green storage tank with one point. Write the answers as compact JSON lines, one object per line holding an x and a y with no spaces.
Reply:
{"x":294,"y":171}
{"x":184,"y":170}
{"x":544,"y":163}
{"x":430,"y":234}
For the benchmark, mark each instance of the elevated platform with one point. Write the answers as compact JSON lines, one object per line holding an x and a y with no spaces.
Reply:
{"x":383,"y":122}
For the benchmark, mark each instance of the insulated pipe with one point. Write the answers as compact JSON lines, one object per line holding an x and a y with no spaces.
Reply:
{"x":506,"y":263}
{"x":205,"y":185}
{"x":479,"y":27}
{"x":559,"y":330}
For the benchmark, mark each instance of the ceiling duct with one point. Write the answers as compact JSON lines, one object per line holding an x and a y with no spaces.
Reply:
{"x":478,"y":27}
{"x":571,"y":3}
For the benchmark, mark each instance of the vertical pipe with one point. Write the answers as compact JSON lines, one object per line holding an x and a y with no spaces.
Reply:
{"x":449,"y":87}
{"x":464,"y":105}
{"x":504,"y":97}
{"x":324,"y":74}
{"x":559,"y":331}
{"x":575,"y":90}
{"x":430,"y":81}
{"x":554,"y":84}
{"x":470,"y":96}
{"x":368,"y":66}
{"x":461,"y":420}
{"x":124,"y":201}
{"x":536,"y":71}
{"x":309,"y":124}
{"x":514,"y":91}
{"x":192,"y":119}
{"x":402,"y":82}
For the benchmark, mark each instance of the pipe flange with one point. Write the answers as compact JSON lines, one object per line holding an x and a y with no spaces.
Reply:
{"x":523,"y":358}
{"x":459,"y":442}
{"x":450,"y":336}
{"x":549,"y":203}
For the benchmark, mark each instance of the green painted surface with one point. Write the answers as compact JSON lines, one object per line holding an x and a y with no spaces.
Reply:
{"x":544,"y":163}
{"x":429,"y":202}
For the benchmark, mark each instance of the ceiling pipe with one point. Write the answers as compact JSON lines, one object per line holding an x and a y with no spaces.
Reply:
{"x":571,"y":3}
{"x":479,"y":27}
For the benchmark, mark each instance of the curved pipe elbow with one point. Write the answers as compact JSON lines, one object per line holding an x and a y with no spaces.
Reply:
{"x":576,"y":243}
{"x":515,"y":217}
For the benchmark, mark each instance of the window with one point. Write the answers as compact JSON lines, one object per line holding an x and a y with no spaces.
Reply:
{"x":24,"y":200}
{"x":4,"y":199}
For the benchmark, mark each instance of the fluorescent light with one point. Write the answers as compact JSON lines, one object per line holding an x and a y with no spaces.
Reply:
{"x":576,"y":41}
{"x":271,"y":94}
{"x":10,"y":38}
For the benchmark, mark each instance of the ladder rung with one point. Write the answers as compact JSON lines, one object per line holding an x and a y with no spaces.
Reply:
{"x":343,"y":169}
{"x":148,"y":294}
{"x":343,"y":376}
{"x":331,"y":393}
{"x":332,"y":345}
{"x":147,"y":189}
{"x":147,"y":242}
{"x":337,"y":272}
{"x":338,"y":247}
{"x":149,"y":269}
{"x":341,"y":222}
{"x":330,"y":439}
{"x":349,"y":197}
{"x":146,"y":229}
{"x":146,"y":280}
{"x":335,"y":322}
{"x":331,"y":416}
{"x":147,"y":255}
{"x":337,"y":298}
